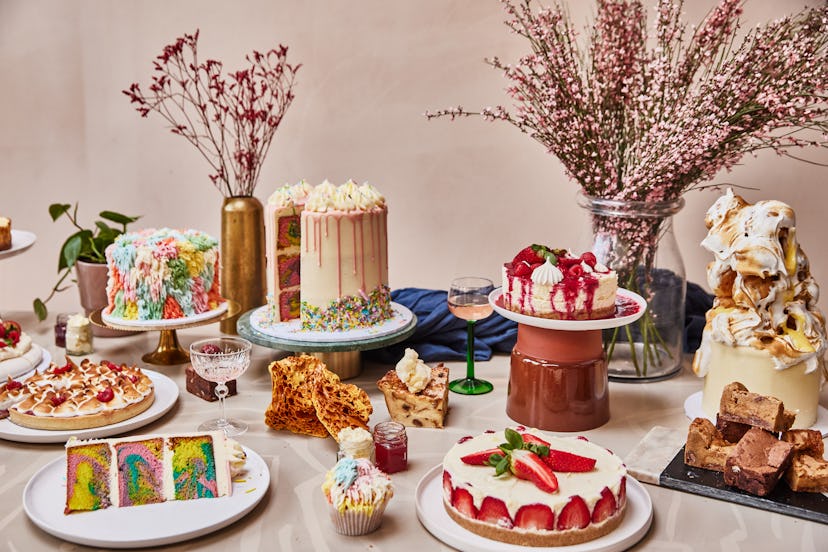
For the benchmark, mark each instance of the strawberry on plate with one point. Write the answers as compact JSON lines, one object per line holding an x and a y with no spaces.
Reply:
{"x":527,"y":465}
{"x":562,"y":461}
{"x":575,"y":515}
{"x":493,"y":510}
{"x":463,"y":502}
{"x":605,"y":507}
{"x":535,"y":516}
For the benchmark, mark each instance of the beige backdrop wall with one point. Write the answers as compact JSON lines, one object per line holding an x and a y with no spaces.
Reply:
{"x":463,"y":196}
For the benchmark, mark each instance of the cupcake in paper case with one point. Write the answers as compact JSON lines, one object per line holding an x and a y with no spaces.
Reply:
{"x":357,"y":492}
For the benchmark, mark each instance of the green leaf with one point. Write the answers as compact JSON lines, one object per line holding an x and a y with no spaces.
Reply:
{"x":40,"y":309}
{"x":56,"y":210}
{"x":514,"y":439}
{"x":72,"y":249}
{"x":494,"y":459}
{"x":117,"y":217}
{"x":502,"y":466}
{"x":540,"y":450}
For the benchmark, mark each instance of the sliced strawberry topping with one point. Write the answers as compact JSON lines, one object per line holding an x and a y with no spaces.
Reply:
{"x":575,"y":515}
{"x":480,"y":458}
{"x":533,"y":439}
{"x":562,"y":461}
{"x":493,"y":510}
{"x":528,"y":465}
{"x":463,"y":502}
{"x":464,"y":438}
{"x":112,"y":366}
{"x":535,"y":516}
{"x":13,"y":385}
{"x":605,"y":507}
{"x":446,"y":485}
{"x":106,"y":395}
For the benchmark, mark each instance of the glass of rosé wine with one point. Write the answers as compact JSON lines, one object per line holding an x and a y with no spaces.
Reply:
{"x":468,"y":298}
{"x":219,"y":360}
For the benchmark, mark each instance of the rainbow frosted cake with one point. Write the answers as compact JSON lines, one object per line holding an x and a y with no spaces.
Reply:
{"x":162,"y":274}
{"x":344,"y":258}
{"x":149,"y":469}
{"x":283,"y":236}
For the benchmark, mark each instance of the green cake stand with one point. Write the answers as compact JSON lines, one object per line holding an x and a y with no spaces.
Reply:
{"x":339,"y":350}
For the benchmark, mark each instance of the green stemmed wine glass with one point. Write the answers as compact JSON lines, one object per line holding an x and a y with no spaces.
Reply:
{"x":468,"y":298}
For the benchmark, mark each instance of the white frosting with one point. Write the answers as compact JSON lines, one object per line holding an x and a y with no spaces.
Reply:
{"x":765,"y":295}
{"x":347,"y":197}
{"x":289,"y":195}
{"x":413,"y":372}
{"x":481,"y":481}
{"x":22,"y":347}
{"x":355,"y":442}
{"x":547,"y":274}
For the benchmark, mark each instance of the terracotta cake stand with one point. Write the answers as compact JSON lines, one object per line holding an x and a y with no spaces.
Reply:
{"x":169,"y":350}
{"x":340,"y":351}
{"x":558,"y":379}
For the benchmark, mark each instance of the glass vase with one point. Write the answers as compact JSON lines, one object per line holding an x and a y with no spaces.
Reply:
{"x":635,"y":238}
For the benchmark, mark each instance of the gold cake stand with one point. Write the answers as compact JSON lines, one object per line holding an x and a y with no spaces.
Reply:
{"x":169,"y":350}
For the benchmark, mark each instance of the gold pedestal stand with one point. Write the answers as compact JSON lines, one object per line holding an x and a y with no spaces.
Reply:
{"x":169,"y":351}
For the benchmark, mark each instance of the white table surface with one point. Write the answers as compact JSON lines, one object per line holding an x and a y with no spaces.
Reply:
{"x":293,"y":516}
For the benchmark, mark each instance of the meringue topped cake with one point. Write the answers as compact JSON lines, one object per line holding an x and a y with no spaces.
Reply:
{"x":552,"y":283}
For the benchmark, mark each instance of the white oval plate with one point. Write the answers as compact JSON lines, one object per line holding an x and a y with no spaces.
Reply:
{"x":21,"y":241}
{"x":574,"y":325}
{"x":137,"y":526}
{"x":166,"y":393}
{"x":161,"y":324}
{"x":292,"y":329}
{"x":433,"y":516}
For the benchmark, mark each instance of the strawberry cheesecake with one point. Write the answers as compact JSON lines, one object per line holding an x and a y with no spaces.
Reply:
{"x":522,"y":487}
{"x":552,"y":283}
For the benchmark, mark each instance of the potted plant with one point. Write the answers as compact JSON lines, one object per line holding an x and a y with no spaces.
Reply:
{"x":85,"y":251}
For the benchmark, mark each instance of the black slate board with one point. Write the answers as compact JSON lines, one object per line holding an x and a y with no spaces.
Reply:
{"x":677,"y":475}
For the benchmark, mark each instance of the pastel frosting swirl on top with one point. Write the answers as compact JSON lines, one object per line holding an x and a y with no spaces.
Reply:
{"x":357,"y":485}
{"x":290,"y":194}
{"x":347,"y":197}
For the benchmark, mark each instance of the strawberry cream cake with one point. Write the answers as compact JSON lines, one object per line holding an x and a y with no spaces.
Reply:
{"x":552,"y":283}
{"x":522,"y":487}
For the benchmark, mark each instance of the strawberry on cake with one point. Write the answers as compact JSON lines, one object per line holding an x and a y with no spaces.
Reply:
{"x":522,"y":487}
{"x":552,"y":283}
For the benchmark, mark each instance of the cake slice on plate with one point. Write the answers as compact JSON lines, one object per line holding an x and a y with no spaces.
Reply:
{"x":416,"y":395}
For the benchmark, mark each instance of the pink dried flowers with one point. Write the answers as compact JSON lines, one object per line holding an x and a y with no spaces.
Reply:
{"x":632,"y":123}
{"x":230,"y":118}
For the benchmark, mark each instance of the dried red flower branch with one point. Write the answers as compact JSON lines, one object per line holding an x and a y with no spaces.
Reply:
{"x":230,"y":118}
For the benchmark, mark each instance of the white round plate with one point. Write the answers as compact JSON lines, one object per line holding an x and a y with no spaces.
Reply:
{"x":21,"y":241}
{"x":292,"y":330}
{"x":433,"y":516}
{"x":161,"y":324}
{"x":166,"y":393}
{"x":693,"y":410}
{"x":137,"y":526}
{"x":16,"y":367}
{"x":620,"y":318}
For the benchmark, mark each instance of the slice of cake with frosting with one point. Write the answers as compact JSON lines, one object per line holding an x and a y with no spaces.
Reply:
{"x":416,"y":394}
{"x":552,"y":283}
{"x":162,"y":274}
{"x":5,"y":233}
{"x":133,"y":471}
{"x":344,"y":258}
{"x":523,"y":487}
{"x":283,"y":233}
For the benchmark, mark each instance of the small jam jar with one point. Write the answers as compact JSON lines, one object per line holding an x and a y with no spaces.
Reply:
{"x":60,"y":330}
{"x":390,"y":447}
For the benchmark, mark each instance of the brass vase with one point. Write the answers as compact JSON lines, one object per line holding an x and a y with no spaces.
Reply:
{"x":242,"y":275}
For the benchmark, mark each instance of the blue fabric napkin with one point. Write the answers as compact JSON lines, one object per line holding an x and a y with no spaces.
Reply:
{"x":441,"y":336}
